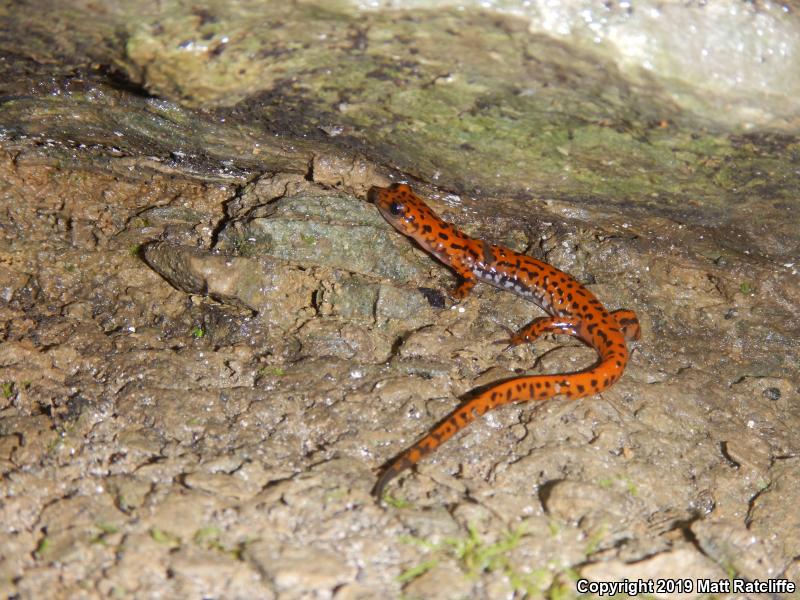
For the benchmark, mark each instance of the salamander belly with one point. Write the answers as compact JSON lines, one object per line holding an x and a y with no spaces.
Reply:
{"x":514,"y":284}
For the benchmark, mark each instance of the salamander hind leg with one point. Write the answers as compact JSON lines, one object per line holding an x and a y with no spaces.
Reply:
{"x":538,"y":327}
{"x":629,"y":323}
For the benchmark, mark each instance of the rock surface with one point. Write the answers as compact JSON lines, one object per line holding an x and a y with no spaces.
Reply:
{"x":210,"y":342}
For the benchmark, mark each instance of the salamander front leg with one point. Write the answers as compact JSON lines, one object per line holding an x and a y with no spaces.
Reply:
{"x":464,"y":286}
{"x":463,"y":289}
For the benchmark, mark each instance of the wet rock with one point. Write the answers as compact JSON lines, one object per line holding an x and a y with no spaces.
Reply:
{"x":215,"y":571}
{"x":775,"y":389}
{"x":729,"y":542}
{"x":141,"y":566}
{"x":332,"y":231}
{"x":180,"y":514}
{"x":38,"y":439}
{"x":349,"y":297}
{"x":204,"y":430}
{"x":172,"y":214}
{"x":281,"y":292}
{"x":353,"y":174}
{"x":11,"y":283}
{"x":748,"y":453}
{"x":129,"y":492}
{"x":770,"y":512}
{"x":401,"y":304}
{"x":433,"y":525}
{"x":38,"y":580}
{"x":220,"y":484}
{"x":331,"y":339}
{"x":442,"y":582}
{"x":361,"y":298}
{"x":287,"y":568}
{"x":17,"y":549}
{"x":72,"y":523}
{"x":357,"y":591}
{"x":577,"y":502}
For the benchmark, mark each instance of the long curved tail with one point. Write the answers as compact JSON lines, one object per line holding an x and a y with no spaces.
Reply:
{"x":613,"y":359}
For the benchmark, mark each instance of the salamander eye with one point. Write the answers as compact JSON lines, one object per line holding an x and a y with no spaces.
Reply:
{"x":396,"y":208}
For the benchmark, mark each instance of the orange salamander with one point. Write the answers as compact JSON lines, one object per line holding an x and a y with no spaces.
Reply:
{"x":573,"y":310}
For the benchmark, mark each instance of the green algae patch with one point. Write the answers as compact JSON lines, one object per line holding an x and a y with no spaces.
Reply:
{"x":471,"y":101}
{"x":220,"y":53}
{"x":500,"y":111}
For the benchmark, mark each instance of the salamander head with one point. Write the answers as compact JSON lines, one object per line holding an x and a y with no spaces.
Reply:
{"x":402,"y":208}
{"x":396,"y":204}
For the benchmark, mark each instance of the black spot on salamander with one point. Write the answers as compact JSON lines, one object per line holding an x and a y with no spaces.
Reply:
{"x":581,"y":389}
{"x":426,"y":229}
{"x":443,"y":235}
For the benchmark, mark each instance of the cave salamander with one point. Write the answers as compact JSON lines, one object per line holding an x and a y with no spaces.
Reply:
{"x":573,"y":310}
